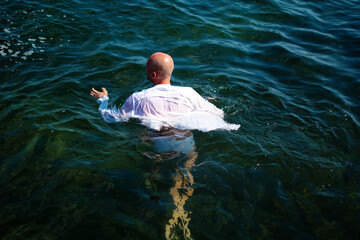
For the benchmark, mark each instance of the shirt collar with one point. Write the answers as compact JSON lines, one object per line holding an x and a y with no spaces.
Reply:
{"x":162,"y":86}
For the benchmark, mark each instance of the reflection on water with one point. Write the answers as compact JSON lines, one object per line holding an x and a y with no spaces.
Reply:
{"x":171,"y":144}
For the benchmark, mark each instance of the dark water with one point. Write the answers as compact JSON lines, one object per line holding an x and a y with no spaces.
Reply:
{"x":287,"y":71}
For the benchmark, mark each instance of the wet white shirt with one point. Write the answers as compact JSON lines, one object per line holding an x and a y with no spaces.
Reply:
{"x":165,"y":105}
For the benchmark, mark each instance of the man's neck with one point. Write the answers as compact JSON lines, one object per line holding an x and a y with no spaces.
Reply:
{"x":164,"y":81}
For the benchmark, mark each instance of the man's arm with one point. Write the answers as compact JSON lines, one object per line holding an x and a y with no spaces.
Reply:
{"x":109,"y":115}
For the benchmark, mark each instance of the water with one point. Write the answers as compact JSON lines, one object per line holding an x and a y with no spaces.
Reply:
{"x":287,"y":71}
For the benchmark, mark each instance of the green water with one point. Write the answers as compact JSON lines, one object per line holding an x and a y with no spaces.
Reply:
{"x":287,"y":71}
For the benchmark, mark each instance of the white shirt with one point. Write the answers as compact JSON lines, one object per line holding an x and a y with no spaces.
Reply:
{"x":165,"y":105}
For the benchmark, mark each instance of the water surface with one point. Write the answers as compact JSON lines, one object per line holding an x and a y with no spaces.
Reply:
{"x":287,"y":71}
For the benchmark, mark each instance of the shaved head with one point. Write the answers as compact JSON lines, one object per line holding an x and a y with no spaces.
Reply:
{"x":159,"y":68}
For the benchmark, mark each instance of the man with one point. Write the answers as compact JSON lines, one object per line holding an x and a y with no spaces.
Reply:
{"x":164,"y":105}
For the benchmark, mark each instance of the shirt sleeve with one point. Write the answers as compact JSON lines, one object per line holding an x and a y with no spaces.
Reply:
{"x":113,"y":114}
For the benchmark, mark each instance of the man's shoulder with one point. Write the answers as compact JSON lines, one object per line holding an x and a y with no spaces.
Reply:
{"x":138,"y":94}
{"x":181,"y":87}
{"x":184,"y":89}
{"x":145,"y":92}
{"x":170,"y":89}
{"x":166,"y":88}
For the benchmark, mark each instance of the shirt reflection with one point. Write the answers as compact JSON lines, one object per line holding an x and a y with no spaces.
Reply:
{"x":170,"y":144}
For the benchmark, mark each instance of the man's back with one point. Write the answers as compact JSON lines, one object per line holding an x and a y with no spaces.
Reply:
{"x":164,"y":100}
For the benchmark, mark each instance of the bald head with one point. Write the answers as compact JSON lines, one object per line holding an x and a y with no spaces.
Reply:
{"x":159,"y":68}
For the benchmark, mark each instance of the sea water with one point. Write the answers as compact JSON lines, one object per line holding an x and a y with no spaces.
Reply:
{"x":287,"y":71}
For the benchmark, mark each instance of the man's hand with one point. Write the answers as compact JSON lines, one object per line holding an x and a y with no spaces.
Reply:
{"x":97,"y":94}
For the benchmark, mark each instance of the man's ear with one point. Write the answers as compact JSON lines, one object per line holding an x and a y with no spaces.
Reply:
{"x":153,"y":75}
